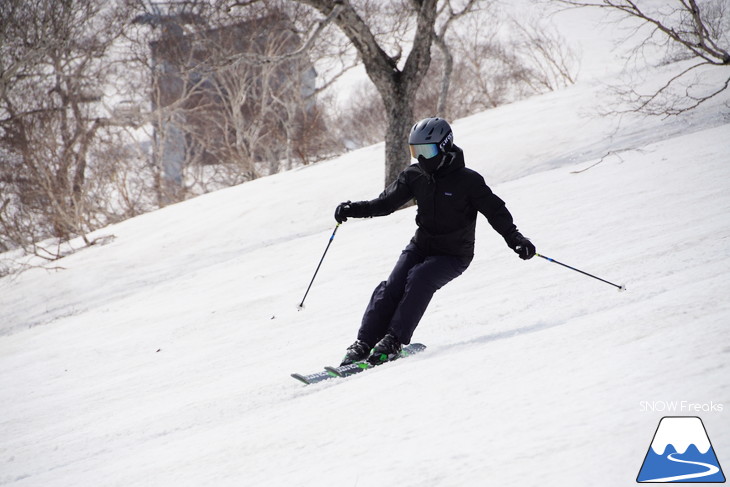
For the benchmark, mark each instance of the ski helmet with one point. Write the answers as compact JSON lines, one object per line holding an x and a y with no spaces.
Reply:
{"x":430,"y":137}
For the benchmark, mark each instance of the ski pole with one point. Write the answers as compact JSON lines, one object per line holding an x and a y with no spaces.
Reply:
{"x":300,"y":306}
{"x":621,"y":287}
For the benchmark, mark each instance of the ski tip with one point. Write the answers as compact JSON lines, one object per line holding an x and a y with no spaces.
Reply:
{"x":300,"y":378}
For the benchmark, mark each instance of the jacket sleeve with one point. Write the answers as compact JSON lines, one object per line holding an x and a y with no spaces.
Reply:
{"x":392,"y":198}
{"x":492,"y":207}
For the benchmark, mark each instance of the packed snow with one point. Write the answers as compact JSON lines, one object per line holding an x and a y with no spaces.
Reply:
{"x":163,"y":357}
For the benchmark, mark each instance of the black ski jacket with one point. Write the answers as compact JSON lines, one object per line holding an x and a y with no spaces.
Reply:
{"x":448,"y":202}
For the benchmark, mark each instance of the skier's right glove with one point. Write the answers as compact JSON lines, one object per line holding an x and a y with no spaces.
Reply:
{"x":344,"y":210}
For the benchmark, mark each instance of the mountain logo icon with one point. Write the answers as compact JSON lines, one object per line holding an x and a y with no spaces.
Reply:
{"x":681,"y":452}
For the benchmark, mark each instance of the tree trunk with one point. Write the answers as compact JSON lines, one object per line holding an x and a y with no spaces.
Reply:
{"x":396,"y":86}
{"x":400,"y":120}
{"x":445,"y":77}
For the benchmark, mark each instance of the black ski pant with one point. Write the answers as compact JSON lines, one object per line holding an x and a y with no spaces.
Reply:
{"x":398,"y":304}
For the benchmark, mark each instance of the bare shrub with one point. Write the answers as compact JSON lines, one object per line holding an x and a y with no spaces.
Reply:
{"x":690,"y":30}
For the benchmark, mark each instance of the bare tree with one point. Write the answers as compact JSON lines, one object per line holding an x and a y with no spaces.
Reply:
{"x":686,"y":29}
{"x":477,"y":68}
{"x":233,"y":90}
{"x":548,"y":61}
{"x":489,"y":62}
{"x":381,"y":32}
{"x":396,"y":82}
{"x":452,"y":15}
{"x":267,"y":95}
{"x":53,"y":65}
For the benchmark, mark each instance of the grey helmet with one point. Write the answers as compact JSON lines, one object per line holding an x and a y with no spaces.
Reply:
{"x":429,"y":137}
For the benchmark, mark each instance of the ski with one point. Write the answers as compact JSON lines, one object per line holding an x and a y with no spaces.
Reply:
{"x":352,"y":369}
{"x":357,"y":367}
{"x":312,"y":378}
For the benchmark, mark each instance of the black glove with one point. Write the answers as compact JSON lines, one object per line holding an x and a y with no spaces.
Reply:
{"x":344,"y":210}
{"x":522,"y":246}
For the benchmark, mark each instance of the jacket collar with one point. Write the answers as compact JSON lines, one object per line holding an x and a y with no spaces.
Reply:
{"x":454,"y":161}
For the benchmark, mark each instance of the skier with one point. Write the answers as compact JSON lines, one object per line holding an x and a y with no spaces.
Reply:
{"x":448,"y":195}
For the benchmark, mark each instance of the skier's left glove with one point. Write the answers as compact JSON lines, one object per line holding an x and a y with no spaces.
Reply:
{"x":521,"y":245}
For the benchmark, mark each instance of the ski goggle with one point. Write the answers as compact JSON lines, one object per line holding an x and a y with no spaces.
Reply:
{"x":426,"y":150}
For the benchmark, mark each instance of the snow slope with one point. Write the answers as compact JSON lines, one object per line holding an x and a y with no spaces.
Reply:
{"x":162,"y":358}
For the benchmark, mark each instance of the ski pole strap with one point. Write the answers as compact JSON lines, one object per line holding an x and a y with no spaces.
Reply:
{"x":620,"y":287}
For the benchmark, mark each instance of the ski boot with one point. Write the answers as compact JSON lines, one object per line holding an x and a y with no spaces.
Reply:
{"x":357,"y":352}
{"x":387,"y":349}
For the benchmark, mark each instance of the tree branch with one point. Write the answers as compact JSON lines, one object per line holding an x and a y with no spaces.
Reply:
{"x":262,"y":59}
